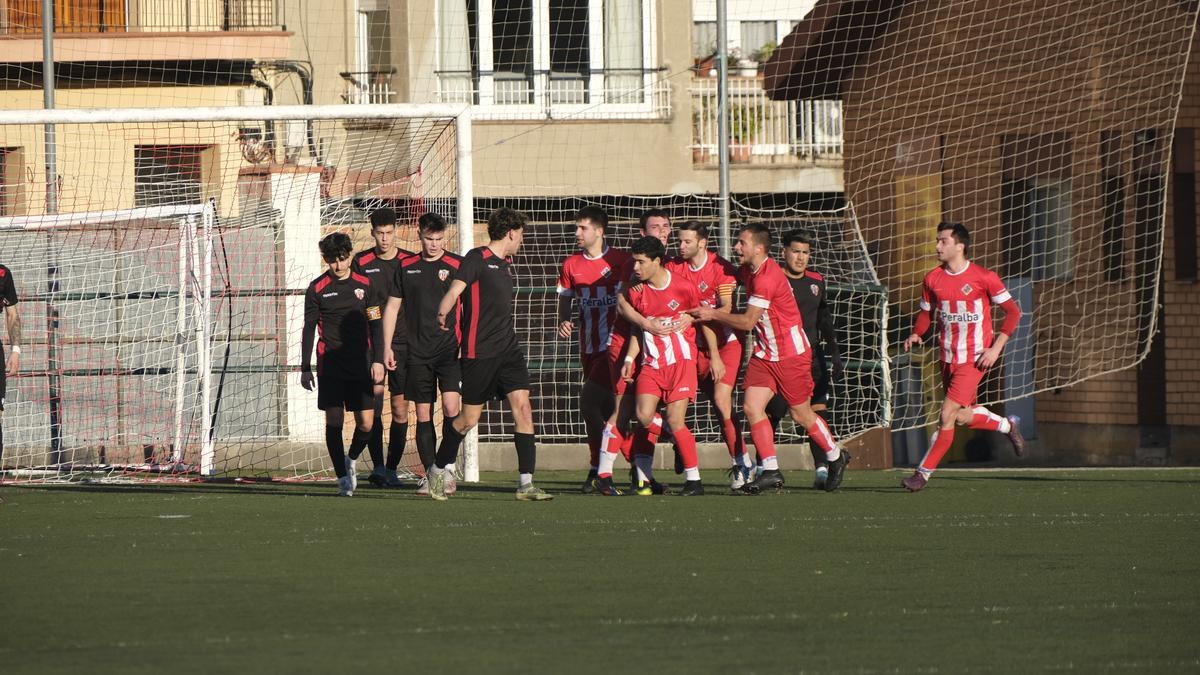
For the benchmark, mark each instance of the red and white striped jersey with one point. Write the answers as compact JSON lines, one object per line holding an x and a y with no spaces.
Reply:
{"x":779,"y":333}
{"x":595,"y":284}
{"x":677,"y":296}
{"x":714,"y":276}
{"x":964,"y":316}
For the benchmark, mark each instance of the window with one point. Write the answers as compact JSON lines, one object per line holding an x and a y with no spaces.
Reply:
{"x":704,"y":39}
{"x":755,"y":35}
{"x":540,"y":57}
{"x":167,"y":175}
{"x":1036,"y":193}
{"x":10,"y":180}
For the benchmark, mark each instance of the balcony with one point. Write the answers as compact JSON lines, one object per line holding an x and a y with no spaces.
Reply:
{"x":617,"y":95}
{"x":762,"y":131}
{"x":372,"y":86}
{"x":120,"y":30}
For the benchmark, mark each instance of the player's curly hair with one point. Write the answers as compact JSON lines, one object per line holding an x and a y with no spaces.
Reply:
{"x":383,"y":218}
{"x":593,"y":214}
{"x":651,"y":247}
{"x":504,"y":220}
{"x":336,"y":246}
{"x":431,"y":222}
{"x":959,"y":232}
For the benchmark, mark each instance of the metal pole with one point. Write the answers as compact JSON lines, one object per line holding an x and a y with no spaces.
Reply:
{"x":723,"y":127}
{"x":466,"y":240}
{"x":52,"y":360}
{"x":207,"y":444}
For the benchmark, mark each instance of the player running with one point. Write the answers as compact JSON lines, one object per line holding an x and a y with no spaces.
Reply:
{"x":493,"y":364}
{"x":592,"y":279}
{"x":12,"y":323}
{"x":808,"y":287}
{"x":782,"y":361}
{"x":432,"y":364}
{"x":961,"y":294}
{"x":344,"y":308}
{"x":379,"y":264}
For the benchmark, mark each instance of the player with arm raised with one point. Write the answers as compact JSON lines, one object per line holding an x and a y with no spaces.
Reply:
{"x":343,"y":310}
{"x":493,"y":364}
{"x":782,"y":361}
{"x":808,"y":287}
{"x":715,"y":278}
{"x":591,"y":279}
{"x":12,"y":324}
{"x":432,"y":352}
{"x":959,"y":295}
{"x":379,"y":264}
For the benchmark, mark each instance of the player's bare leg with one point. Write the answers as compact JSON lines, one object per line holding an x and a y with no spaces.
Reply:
{"x":646,"y":411}
{"x":739,"y":471}
{"x":614,"y":442}
{"x":954,"y":413}
{"x":596,"y":404}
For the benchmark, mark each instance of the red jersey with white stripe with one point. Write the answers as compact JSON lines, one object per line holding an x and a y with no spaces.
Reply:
{"x":715,"y":275}
{"x":779,"y":333}
{"x":620,"y":331}
{"x":677,"y":296}
{"x":964,"y":309}
{"x":595,"y":284}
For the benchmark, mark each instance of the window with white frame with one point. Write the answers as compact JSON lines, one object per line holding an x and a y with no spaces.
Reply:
{"x":542,"y":56}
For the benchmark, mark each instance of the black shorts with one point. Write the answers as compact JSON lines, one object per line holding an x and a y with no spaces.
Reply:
{"x":428,"y":376}
{"x":3,"y":378}
{"x":821,"y":381}
{"x":397,"y":378}
{"x":494,"y":377}
{"x":352,"y":395}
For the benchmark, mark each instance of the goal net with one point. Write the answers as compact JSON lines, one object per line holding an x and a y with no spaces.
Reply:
{"x":162,"y":292}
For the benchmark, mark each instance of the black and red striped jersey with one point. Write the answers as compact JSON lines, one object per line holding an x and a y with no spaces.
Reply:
{"x":421,"y":283}
{"x":487,"y":305}
{"x":382,"y":274}
{"x":340,"y":312}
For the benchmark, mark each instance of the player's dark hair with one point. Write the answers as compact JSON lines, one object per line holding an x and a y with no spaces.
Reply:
{"x":760,"y":232}
{"x":696,"y":226}
{"x":797,"y":237}
{"x":652,"y":213}
{"x":959,"y":232}
{"x":595,"y":215}
{"x":431,"y":222}
{"x":651,"y":247}
{"x":336,"y":246}
{"x":504,"y":220}
{"x":382,"y":217}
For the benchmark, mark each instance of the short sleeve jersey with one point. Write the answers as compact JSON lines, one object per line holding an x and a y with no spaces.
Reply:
{"x":382,"y":274}
{"x":964,"y":309}
{"x":422,"y":283}
{"x":779,"y":333}
{"x":595,"y":283}
{"x":340,"y":308}
{"x":714,"y":276}
{"x":620,"y":330}
{"x":668,"y":303}
{"x":809,"y":292}
{"x":487,"y":305}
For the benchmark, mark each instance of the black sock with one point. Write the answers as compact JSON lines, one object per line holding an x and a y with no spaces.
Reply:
{"x":358,"y":441}
{"x":337,"y":450}
{"x":426,"y":443}
{"x":448,"y":451}
{"x":397,"y":439}
{"x":1,"y":445}
{"x":777,"y":409}
{"x":526,"y":452}
{"x":375,"y":444}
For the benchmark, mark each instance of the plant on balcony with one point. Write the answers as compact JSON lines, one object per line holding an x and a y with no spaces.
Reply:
{"x":764,"y":53}
{"x":744,"y":119}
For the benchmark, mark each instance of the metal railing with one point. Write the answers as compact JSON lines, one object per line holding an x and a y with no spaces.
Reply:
{"x":762,"y":131}
{"x":141,"y":16}
{"x":551,"y":96}
{"x":369,"y":87}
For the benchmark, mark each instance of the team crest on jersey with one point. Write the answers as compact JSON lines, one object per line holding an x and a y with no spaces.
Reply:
{"x":703,"y":286}
{"x":360,"y":293}
{"x":606,"y":272}
{"x":674,"y":305}
{"x":966,"y":289}
{"x":443,"y":275}
{"x":816,"y":290}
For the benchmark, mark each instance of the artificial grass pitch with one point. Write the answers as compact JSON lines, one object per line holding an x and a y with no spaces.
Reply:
{"x":1088,"y":570}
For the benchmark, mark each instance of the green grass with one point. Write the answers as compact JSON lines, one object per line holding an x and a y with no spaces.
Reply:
{"x":984,"y":571}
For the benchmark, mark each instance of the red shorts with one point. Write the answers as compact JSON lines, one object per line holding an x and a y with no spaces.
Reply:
{"x":731,"y":356}
{"x":596,"y":369}
{"x":616,"y":361}
{"x":961,"y":382}
{"x":791,"y":378}
{"x":674,"y":382}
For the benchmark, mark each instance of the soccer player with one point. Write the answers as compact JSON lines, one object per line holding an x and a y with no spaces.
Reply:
{"x":432,"y":364}
{"x":12,"y":321}
{"x":344,"y":307}
{"x":782,"y":361}
{"x":668,"y":372}
{"x":493,"y":364}
{"x":960,"y":295}
{"x":592,"y":279}
{"x":379,"y":264}
{"x":714,"y":279}
{"x":808,"y":287}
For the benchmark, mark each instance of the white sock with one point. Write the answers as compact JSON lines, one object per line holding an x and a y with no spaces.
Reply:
{"x":770,"y":463}
{"x":607,"y":459}
{"x":526,"y":479}
{"x":450,"y":467}
{"x":745,"y":461}
{"x":692,"y":473}
{"x":644,"y":464}
{"x":439,"y":471}
{"x":1005,"y":426}
{"x":834,"y":455}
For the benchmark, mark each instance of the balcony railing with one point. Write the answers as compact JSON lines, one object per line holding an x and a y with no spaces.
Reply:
{"x":762,"y":131}
{"x":373,"y":86}
{"x":623,"y":95}
{"x":23,"y":17}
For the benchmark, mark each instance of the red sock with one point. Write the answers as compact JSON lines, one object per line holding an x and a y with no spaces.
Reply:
{"x":763,"y":437}
{"x":732,"y":436}
{"x":942,"y":438}
{"x":687,"y":447}
{"x":818,"y":432}
{"x":655,"y":429}
{"x":982,"y":418}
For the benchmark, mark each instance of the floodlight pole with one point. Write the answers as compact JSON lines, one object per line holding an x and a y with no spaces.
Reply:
{"x":52,"y":362}
{"x":723,"y":127}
